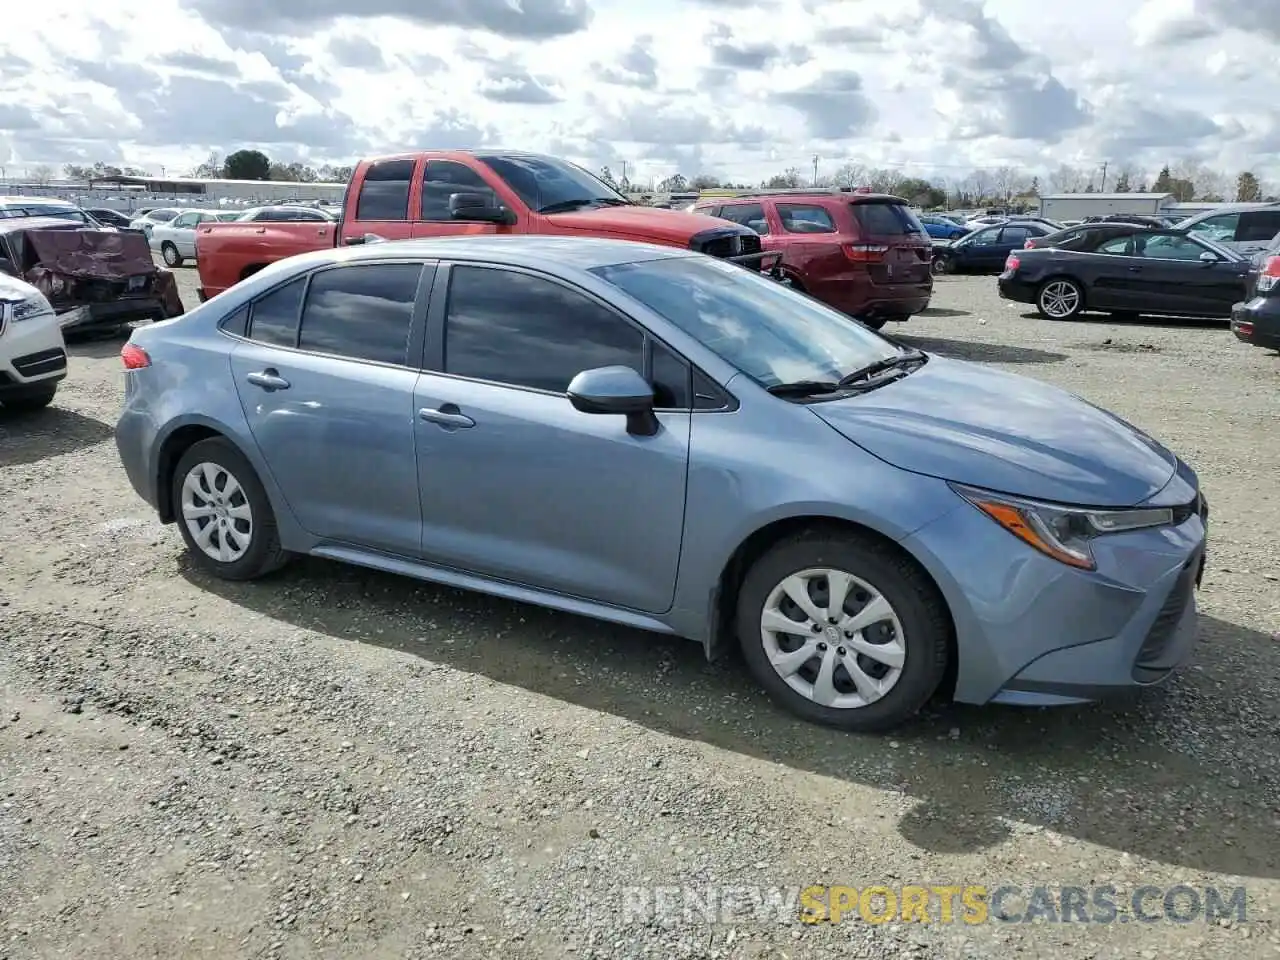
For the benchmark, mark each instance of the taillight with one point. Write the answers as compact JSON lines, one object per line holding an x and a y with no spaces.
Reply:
{"x":1270,"y":275}
{"x":865,"y":252}
{"x":134,"y":357}
{"x":1012,"y":263}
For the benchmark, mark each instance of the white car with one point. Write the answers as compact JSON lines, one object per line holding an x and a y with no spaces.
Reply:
{"x":148,"y":220}
{"x":175,"y":241}
{"x":33,"y":357}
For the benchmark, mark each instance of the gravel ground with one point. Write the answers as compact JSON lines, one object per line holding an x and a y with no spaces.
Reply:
{"x":340,"y":763}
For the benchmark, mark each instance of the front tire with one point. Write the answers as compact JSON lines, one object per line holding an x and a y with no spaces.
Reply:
{"x":31,"y":402}
{"x":224,"y":514}
{"x":1060,"y":299}
{"x":169,"y":253}
{"x":843,"y":631}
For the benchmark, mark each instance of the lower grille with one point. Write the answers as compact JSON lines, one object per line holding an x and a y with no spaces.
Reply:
{"x":1150,"y":664}
{"x":39,"y":364}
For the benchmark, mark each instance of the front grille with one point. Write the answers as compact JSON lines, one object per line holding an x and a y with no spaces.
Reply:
{"x":38,"y":364}
{"x":1150,"y":664}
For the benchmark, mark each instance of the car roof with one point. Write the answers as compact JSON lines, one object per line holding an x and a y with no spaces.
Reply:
{"x":14,"y":224}
{"x":30,"y":201}
{"x":1229,"y":208}
{"x":549,"y":253}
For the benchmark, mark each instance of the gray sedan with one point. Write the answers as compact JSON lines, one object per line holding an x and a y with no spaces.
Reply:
{"x":664,"y":440}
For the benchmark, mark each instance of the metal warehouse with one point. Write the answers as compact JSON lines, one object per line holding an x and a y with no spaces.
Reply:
{"x":1077,"y":206}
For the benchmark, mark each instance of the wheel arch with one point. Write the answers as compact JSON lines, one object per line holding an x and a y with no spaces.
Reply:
{"x":724,"y":602}
{"x":178,"y":440}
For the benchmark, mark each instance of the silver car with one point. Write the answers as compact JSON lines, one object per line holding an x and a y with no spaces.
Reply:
{"x":665,"y":440}
{"x":1247,"y":229}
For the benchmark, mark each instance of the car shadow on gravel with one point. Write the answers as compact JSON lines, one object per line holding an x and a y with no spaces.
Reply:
{"x":97,"y":346}
{"x":1129,"y":320}
{"x":979,"y":351}
{"x":51,"y":432}
{"x":1149,"y":776}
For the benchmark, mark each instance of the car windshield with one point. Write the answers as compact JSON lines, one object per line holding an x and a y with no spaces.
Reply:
{"x":546,"y":184}
{"x":767,"y":331}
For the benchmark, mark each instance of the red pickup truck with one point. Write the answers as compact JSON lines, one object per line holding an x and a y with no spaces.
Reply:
{"x":453,"y":193}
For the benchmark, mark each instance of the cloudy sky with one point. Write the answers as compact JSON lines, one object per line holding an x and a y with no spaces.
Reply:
{"x":932,"y":87}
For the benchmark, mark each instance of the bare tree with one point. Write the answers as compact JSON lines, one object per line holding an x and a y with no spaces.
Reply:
{"x":850,"y":174}
{"x":42,"y":174}
{"x":1068,"y":179}
{"x":886,"y":180}
{"x":1207,"y":184}
{"x":983,"y":184}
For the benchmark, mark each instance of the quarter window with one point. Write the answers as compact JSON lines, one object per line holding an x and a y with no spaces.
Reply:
{"x":442,"y":179}
{"x":363,"y":312}
{"x":526,"y":331}
{"x":748,"y":214}
{"x":1258,"y":227}
{"x":384,"y":192}
{"x":670,"y":379}
{"x":273,"y":319}
{"x":1218,"y":228}
{"x":798,"y":218}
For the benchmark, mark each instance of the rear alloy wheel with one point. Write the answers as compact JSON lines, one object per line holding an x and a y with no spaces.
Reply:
{"x":223,"y":512}
{"x":940,"y":266}
{"x":842,"y":631}
{"x":172,"y":258}
{"x":1060,"y":299}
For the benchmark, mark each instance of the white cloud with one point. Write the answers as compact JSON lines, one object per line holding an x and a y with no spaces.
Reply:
{"x":933,"y":87}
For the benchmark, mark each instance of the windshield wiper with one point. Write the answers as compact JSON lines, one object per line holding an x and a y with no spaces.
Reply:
{"x":803,"y":388}
{"x":882,"y":366}
{"x":563,"y":206}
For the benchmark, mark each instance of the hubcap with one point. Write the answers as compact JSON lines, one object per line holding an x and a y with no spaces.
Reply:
{"x":1059,"y":299}
{"x":216,"y":512}
{"x":833,"y":638}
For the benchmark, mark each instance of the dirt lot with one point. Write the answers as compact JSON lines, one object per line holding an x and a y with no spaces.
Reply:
{"x":339,"y":763}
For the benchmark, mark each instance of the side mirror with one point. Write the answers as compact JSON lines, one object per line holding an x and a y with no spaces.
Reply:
{"x":1208,"y":257}
{"x":479,"y":208}
{"x":616,"y":390}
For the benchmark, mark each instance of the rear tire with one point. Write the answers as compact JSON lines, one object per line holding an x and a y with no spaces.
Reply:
{"x":1060,"y":298}
{"x":904,"y":621}
{"x":169,"y":253}
{"x":223,"y":513}
{"x":875,"y":323}
{"x":940,"y":266}
{"x":32,"y":401}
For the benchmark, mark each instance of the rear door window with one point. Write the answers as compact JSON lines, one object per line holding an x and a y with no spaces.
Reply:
{"x":384,"y":192}
{"x":1218,"y":228}
{"x":273,"y":318}
{"x":748,"y":214}
{"x":1258,"y":226}
{"x":805,"y":218}
{"x":1018,"y":235}
{"x":887,"y":220}
{"x":362,"y":311}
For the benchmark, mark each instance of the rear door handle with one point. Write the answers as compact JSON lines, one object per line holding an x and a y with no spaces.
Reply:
{"x":448,"y":416}
{"x":268,"y":380}
{"x":1135,"y":269}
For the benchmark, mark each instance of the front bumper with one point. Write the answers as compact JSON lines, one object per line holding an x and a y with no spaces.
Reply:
{"x":110,"y":313}
{"x":1032,"y":631}
{"x":1257,"y":322}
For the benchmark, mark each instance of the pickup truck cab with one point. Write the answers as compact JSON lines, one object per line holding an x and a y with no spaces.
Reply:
{"x":455,"y":193}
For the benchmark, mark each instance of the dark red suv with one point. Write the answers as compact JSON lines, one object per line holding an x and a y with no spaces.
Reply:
{"x":866,"y":254}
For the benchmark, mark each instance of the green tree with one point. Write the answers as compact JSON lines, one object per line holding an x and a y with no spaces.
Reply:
{"x":1164,"y":181}
{"x":247,"y":165}
{"x":1248,"y":190}
{"x":789,"y":179}
{"x":1122,"y":182}
{"x":704,"y":181}
{"x":673,"y":184}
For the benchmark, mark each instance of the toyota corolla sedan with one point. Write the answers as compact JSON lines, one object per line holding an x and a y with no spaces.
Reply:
{"x":664,"y":440}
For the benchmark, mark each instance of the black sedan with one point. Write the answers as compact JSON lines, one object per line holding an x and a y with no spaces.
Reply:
{"x":1084,"y":236}
{"x":1139,"y":271}
{"x":1256,"y":319}
{"x":985,"y":250}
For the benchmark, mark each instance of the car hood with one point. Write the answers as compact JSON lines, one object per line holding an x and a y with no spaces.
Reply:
{"x":644,"y":223}
{"x":11,"y":288}
{"x":93,"y":253}
{"x":970,"y":424}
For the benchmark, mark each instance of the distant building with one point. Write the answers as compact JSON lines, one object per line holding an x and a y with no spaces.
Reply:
{"x":256,"y":191}
{"x":1077,"y":206}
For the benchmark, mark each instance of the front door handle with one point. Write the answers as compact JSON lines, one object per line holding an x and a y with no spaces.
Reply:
{"x":268,"y":380}
{"x":1135,"y":269}
{"x":448,"y":416}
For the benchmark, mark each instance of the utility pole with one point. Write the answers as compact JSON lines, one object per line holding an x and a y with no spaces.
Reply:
{"x":815,"y":169}
{"x":1103,"y":188}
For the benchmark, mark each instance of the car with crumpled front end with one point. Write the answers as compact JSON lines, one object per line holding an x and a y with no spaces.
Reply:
{"x":662,"y":439}
{"x":96,"y":279}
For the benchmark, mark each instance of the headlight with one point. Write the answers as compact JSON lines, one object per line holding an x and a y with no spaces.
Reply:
{"x":1063,"y":533}
{"x":30,"y":308}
